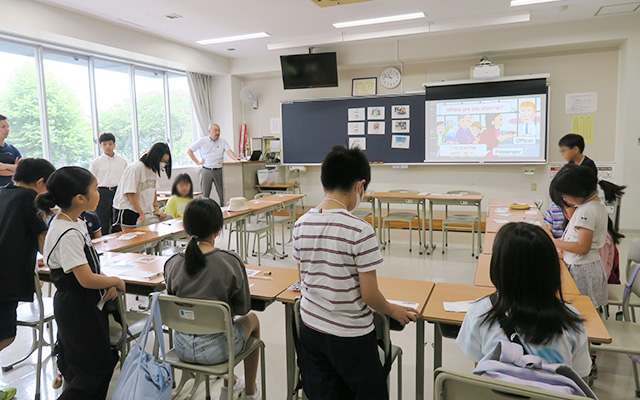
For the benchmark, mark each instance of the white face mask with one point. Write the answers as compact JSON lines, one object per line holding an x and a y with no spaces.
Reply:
{"x":360,"y":198}
{"x":163,"y":165}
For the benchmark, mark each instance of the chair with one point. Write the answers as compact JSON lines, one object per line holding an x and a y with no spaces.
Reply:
{"x":35,"y":315}
{"x":399,"y":216}
{"x":625,"y":334}
{"x":466,"y":220}
{"x":128,"y":329}
{"x":206,"y":317}
{"x":451,"y":385}
{"x":616,"y":291}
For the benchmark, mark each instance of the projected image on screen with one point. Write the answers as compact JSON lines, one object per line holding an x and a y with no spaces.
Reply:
{"x":493,"y":129}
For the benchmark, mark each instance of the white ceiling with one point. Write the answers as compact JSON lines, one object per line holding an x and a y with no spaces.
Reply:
{"x":295,"y":20}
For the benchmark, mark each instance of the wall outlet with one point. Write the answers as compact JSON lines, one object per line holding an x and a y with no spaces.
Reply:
{"x":534,"y":187}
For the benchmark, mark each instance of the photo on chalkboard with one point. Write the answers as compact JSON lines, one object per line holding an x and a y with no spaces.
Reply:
{"x":400,"y":112}
{"x":375,"y":113}
{"x":359,"y":142}
{"x":400,"y":142}
{"x":375,"y":128}
{"x":357,"y":114}
{"x":355,"y":128}
{"x":401,"y":126}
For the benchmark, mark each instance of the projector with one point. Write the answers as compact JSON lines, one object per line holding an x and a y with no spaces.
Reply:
{"x":486,"y":72}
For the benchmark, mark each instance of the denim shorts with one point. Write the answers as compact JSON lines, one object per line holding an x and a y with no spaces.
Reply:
{"x":208,"y":349}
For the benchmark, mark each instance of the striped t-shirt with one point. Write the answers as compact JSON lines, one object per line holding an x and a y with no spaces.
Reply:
{"x":554,"y":219}
{"x":332,"y":247}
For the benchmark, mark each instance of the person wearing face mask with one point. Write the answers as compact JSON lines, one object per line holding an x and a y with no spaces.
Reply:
{"x":136,"y":193}
{"x":338,"y":255}
{"x":212,"y":150}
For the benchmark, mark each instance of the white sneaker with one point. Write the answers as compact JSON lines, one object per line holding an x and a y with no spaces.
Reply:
{"x":238,"y":388}
{"x":256,"y":396}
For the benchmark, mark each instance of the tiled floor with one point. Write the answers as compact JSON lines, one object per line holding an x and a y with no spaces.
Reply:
{"x":615,"y":377}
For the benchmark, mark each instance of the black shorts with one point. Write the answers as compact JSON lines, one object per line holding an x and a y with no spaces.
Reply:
{"x":126,"y":218}
{"x":8,"y":319}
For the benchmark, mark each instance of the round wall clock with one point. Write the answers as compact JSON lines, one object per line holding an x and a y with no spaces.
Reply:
{"x":390,"y":77}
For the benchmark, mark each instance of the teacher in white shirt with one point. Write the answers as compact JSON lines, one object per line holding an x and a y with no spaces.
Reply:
{"x":212,"y":149}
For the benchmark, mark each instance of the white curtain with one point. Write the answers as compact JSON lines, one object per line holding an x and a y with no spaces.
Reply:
{"x":200,"y":88}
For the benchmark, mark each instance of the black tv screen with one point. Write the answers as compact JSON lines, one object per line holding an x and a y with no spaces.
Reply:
{"x":309,"y":71}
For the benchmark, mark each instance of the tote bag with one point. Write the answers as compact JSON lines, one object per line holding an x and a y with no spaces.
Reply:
{"x":142,"y":376}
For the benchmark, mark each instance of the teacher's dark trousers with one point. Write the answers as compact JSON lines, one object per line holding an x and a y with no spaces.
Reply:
{"x":105,"y":208}
{"x":209,"y":177}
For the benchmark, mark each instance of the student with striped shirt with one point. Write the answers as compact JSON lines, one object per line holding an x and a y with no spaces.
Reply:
{"x":337,"y":255}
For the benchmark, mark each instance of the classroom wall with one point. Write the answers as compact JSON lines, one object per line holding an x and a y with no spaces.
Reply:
{"x":598,"y":56}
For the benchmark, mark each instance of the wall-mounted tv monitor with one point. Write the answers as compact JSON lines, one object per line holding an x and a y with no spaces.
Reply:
{"x":305,"y":71}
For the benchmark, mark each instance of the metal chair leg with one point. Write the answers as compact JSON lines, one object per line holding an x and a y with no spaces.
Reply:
{"x":399,"y":366}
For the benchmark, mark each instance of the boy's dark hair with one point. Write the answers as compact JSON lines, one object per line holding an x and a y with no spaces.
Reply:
{"x":343,"y":167}
{"x":441,"y":123}
{"x":179,"y":179}
{"x":202,"y":218}
{"x":572,"y":140}
{"x":2,"y":118}
{"x":152,"y":158}
{"x":31,"y":170}
{"x":62,"y":186}
{"x":525,"y":269}
{"x":107,"y":137}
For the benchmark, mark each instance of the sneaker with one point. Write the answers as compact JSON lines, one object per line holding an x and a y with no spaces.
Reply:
{"x":256,"y":396}
{"x":7,"y":393}
{"x":238,"y":387}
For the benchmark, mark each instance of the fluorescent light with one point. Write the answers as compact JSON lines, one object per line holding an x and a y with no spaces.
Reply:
{"x":515,"y":3}
{"x":478,"y":22}
{"x":383,"y":34}
{"x":249,"y":36}
{"x":381,"y":20}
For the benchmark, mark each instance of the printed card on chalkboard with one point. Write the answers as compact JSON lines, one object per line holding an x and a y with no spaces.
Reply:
{"x":400,"y":112}
{"x":400,"y":142}
{"x":355,"y":128}
{"x":358,"y":142}
{"x":375,"y":113}
{"x":376,"y":128}
{"x":357,"y":114}
{"x":401,"y":126}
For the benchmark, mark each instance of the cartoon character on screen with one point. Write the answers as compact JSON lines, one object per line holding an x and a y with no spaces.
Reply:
{"x":527,"y":122}
{"x":449,"y":134}
{"x":463,"y":135}
{"x":441,"y":132}
{"x":492,"y":136}
{"x":476,"y":128}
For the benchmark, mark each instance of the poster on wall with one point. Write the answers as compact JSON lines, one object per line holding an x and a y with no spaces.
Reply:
{"x":355,"y":128}
{"x":401,"y":126}
{"x":400,"y":112}
{"x":376,"y":128}
{"x":400,"y":142}
{"x":376,"y":113}
{"x":359,"y":142}
{"x":581,"y":103}
{"x":357,"y":114}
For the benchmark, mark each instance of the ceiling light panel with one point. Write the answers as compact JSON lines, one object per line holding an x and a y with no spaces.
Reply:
{"x":380,"y":20}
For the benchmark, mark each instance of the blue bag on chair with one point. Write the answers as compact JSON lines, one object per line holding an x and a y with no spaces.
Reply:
{"x":142,"y":376}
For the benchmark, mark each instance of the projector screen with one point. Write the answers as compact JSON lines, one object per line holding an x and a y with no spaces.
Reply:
{"x":498,"y":129}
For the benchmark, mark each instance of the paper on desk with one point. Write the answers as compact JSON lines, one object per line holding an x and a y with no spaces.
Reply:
{"x":538,"y":223}
{"x":504,"y":214}
{"x":457,"y":306}
{"x":100,"y":239}
{"x":145,"y":260}
{"x":531,"y":212}
{"x":130,"y":235}
{"x":502,"y":209}
{"x":501,"y":221}
{"x":253,"y":272}
{"x":109,"y":271}
{"x":404,"y":303}
{"x":423,"y":193}
{"x":116,"y":264}
{"x":224,"y":209}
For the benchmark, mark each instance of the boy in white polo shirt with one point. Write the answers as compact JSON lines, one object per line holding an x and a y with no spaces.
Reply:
{"x":337,"y":255}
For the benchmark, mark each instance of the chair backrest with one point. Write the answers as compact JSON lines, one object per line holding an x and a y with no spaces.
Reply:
{"x":462,"y":192}
{"x":450,"y":385}
{"x":633,"y":282}
{"x":194,"y":316}
{"x":383,"y":333}
{"x":634,"y":251}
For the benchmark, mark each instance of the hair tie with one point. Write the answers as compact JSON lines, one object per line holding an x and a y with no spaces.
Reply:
{"x":194,"y":237}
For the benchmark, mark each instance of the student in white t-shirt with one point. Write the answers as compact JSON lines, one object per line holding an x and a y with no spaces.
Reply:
{"x":576,"y":187}
{"x":86,"y":359}
{"x":525,"y":269}
{"x":337,"y":255}
{"x":136,"y":193}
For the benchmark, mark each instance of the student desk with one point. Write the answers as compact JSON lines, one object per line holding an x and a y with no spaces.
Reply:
{"x":167,"y":230}
{"x":492,"y":226}
{"x":392,"y":289}
{"x":288,"y":188}
{"x":507,"y":202}
{"x":397,"y":197}
{"x":490,"y":237}
{"x":454,"y":200}
{"x":444,"y":292}
{"x":483,"y":278}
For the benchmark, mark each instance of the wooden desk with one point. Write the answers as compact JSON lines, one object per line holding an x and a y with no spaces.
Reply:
{"x":169,"y":229}
{"x":483,"y":276}
{"x":493,"y":227}
{"x":448,"y":292}
{"x":392,"y":289}
{"x":507,"y":202}
{"x":455,"y":200}
{"x":276,"y":283}
{"x":489,"y":238}
{"x":495,"y":212}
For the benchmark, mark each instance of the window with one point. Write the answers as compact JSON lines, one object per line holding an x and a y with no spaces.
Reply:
{"x":68,"y":109}
{"x":19,"y":97}
{"x":113,"y":97}
{"x":181,"y":119}
{"x":150,"y":106}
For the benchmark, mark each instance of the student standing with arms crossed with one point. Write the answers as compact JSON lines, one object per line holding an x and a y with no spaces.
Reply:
{"x":85,"y":358}
{"x":337,"y":255}
{"x":9,"y":155}
{"x":136,"y":195}
{"x":108,"y":169}
{"x":212,"y":150}
{"x":22,"y":234}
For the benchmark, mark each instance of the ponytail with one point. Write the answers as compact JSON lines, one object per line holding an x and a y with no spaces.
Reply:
{"x":615,"y":235}
{"x":612,"y":192}
{"x":45,"y":202}
{"x":194,"y":259}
